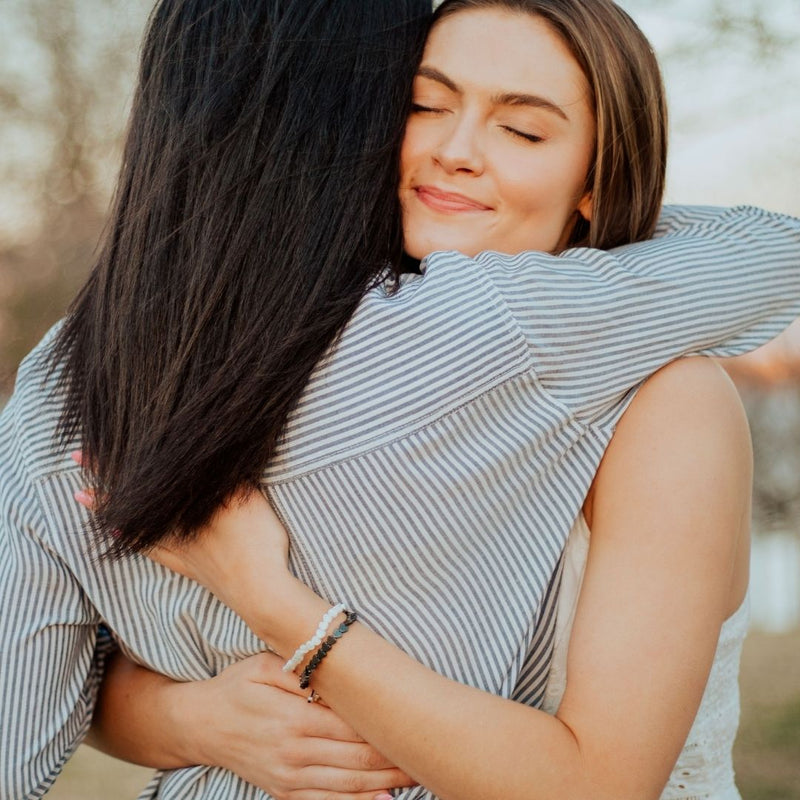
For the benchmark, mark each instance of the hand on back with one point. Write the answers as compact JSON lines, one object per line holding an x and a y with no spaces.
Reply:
{"x":260,"y":726}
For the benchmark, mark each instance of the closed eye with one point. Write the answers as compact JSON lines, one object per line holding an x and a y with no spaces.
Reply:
{"x":420,"y":109}
{"x":528,"y":137}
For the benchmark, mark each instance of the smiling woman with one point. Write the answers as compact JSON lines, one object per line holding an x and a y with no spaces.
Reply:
{"x":501,"y":150}
{"x":500,"y":140}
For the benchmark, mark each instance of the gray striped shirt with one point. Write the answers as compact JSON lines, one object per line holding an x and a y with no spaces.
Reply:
{"x":429,"y":477}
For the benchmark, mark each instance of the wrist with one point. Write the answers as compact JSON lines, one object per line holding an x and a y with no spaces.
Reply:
{"x":290,"y":619}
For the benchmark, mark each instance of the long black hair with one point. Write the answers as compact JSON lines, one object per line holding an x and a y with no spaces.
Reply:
{"x":256,"y":203}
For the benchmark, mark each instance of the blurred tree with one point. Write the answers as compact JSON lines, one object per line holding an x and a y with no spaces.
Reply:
{"x":775,"y":424}
{"x":720,"y":24}
{"x":769,"y":383}
{"x":64,"y":81}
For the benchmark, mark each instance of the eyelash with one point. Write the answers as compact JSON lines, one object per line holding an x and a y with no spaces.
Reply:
{"x":528,"y":137}
{"x":416,"y":108}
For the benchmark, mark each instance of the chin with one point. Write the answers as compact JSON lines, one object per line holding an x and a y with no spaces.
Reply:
{"x":470,"y":252}
{"x":419,"y":247}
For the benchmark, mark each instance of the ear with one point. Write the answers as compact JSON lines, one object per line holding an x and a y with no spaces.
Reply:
{"x":585,"y":206}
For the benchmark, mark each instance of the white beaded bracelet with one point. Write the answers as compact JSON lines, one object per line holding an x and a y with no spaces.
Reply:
{"x":316,"y":640}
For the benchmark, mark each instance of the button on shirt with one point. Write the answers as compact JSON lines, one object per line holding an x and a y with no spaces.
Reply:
{"x":428,"y":479}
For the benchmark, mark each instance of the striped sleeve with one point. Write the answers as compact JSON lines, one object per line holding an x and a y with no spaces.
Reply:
{"x":50,"y":655}
{"x":719,"y":282}
{"x":675,"y":219}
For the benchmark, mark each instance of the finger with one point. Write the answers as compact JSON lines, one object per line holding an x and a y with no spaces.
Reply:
{"x":86,"y":498}
{"x":268,"y":668}
{"x":317,"y":718}
{"x":320,"y":722}
{"x":345,"y":755}
{"x":351,"y":781}
{"x":77,"y":457}
{"x":323,"y":794}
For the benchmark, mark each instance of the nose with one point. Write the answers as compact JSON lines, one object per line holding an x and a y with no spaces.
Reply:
{"x":460,"y":148}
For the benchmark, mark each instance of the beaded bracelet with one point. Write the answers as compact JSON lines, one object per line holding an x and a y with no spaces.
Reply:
{"x":316,"y":639}
{"x":305,"y":675}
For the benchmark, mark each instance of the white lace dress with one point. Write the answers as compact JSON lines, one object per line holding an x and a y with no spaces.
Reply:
{"x":704,"y":770}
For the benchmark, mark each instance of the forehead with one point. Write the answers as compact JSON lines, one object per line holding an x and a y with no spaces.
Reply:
{"x":505,"y":51}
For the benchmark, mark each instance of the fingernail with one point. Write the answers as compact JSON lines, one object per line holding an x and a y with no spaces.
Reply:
{"x":383,"y":797}
{"x":77,"y":456}
{"x":84,"y":498}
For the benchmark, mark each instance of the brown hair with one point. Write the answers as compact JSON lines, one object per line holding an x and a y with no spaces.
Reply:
{"x":627,"y":178}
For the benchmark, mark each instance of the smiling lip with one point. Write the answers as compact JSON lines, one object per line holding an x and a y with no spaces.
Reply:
{"x":447,"y":201}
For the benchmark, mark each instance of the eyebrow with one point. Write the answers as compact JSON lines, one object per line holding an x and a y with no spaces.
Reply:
{"x":533,"y":100}
{"x":435,"y":75}
{"x":504,"y":99}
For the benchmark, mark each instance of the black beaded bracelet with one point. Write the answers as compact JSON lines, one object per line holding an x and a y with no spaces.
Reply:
{"x":325,"y":648}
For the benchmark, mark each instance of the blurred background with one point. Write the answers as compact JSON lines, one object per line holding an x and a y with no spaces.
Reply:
{"x":732,"y":69}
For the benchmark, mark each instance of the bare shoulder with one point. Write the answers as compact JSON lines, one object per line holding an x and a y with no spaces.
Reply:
{"x":686,"y":424}
{"x":698,"y":380}
{"x":691,"y":397}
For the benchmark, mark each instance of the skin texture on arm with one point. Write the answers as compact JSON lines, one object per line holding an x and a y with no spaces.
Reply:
{"x":671,"y":503}
{"x":251,"y":719}
{"x":669,"y":517}
{"x":135,"y":718}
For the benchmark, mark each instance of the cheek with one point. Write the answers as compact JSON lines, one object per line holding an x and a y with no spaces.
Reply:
{"x":413,"y":149}
{"x":405,"y":159}
{"x":538,"y":190}
{"x":540,"y":201}
{"x":551,"y":186}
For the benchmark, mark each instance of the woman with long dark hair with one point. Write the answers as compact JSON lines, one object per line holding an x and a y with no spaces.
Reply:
{"x":476,"y":398}
{"x":444,"y":147}
{"x":256,"y":203}
{"x":230,"y":139}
